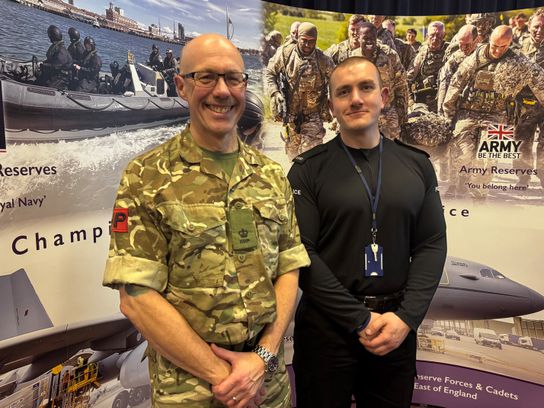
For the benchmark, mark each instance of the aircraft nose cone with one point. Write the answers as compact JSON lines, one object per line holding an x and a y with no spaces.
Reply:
{"x":536,"y":300}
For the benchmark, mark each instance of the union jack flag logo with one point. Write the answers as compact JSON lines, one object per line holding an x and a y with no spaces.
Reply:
{"x":500,"y":132}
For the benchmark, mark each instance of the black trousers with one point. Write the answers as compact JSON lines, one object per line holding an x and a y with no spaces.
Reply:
{"x":375,"y":381}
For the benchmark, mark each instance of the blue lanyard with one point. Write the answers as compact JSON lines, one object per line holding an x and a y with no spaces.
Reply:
{"x":373,"y":199}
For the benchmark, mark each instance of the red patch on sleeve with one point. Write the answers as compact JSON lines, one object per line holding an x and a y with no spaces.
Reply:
{"x":120,"y":220}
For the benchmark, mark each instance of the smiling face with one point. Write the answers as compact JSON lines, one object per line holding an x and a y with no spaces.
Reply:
{"x":214,"y":111}
{"x":353,"y":34}
{"x":368,"y":41}
{"x":435,"y":37}
{"x":357,"y":97}
{"x":536,"y":28}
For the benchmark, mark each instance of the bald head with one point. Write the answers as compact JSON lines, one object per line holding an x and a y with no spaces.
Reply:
{"x":197,"y":51}
{"x":468,"y":36}
{"x":499,"y":41}
{"x":502,"y":32}
{"x":294,"y":29}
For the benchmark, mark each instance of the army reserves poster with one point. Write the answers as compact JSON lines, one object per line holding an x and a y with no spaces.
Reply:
{"x":62,"y":153}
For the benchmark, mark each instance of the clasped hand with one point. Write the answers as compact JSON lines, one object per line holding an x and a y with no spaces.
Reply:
{"x":244,"y":387}
{"x":384,"y":333}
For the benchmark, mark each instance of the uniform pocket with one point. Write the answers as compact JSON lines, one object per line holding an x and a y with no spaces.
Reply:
{"x":197,"y":244}
{"x":270,"y":220}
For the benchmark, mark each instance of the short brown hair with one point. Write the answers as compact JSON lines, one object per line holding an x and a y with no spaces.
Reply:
{"x":352,"y":61}
{"x":356,"y":19}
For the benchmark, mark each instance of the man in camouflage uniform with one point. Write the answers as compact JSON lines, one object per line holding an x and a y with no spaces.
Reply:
{"x":530,"y":113}
{"x":272,"y":41}
{"x":205,"y":248}
{"x":293,"y":33}
{"x":297,"y":78}
{"x":467,"y":38}
{"x":406,"y":51}
{"x":344,"y":50}
{"x":384,"y":36}
{"x":423,"y":73}
{"x":411,"y":35}
{"x":479,"y":94}
{"x":393,"y":76}
{"x":521,"y":28}
{"x":484,"y":24}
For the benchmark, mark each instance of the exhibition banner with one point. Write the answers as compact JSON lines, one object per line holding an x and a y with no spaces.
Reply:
{"x":63,"y":341}
{"x":64,"y":144}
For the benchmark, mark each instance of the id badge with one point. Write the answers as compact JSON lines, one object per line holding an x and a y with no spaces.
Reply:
{"x":373,"y":260}
{"x":242,"y":229}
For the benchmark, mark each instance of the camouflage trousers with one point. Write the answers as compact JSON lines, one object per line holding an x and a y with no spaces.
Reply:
{"x":311,"y":134}
{"x":463,"y":154}
{"x":525,"y":131}
{"x":173,"y":387}
{"x":389,"y":123}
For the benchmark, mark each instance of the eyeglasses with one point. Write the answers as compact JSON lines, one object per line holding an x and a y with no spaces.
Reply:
{"x":209,"y":79}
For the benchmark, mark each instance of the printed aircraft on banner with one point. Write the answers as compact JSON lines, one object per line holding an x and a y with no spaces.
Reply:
{"x":467,"y":290}
{"x":473,"y":291}
{"x":22,"y":310}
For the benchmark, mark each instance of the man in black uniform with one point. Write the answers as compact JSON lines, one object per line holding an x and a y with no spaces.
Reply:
{"x":57,"y":67}
{"x":89,"y":69}
{"x":370,"y":283}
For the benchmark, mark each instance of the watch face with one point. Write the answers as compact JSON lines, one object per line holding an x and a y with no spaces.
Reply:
{"x":272,"y":364}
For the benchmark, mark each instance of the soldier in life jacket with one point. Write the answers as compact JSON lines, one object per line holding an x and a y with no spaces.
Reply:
{"x":480,"y":94}
{"x":56,"y":69}
{"x":76,"y":48}
{"x":155,"y":59}
{"x":423,"y":73}
{"x":297,"y":78}
{"x":170,"y":70}
{"x":89,"y":69}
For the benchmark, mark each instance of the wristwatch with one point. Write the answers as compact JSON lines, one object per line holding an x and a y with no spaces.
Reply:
{"x":270,"y":360}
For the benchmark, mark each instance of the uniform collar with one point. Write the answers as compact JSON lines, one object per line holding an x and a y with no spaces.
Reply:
{"x":191,"y":153}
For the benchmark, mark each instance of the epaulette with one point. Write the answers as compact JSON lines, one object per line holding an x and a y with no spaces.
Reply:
{"x":301,"y":158}
{"x":415,"y":149}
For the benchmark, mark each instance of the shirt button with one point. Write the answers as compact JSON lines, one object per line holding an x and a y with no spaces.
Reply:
{"x":238,"y":205}
{"x":283,"y":218}
{"x":191,"y":226}
{"x":241,"y":257}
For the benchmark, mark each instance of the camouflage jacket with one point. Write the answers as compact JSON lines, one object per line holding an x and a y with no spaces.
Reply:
{"x":394,"y":77}
{"x":406,"y":53}
{"x":385,"y":37}
{"x":446,"y":73}
{"x":485,"y":85}
{"x":211,"y":246}
{"x":518,"y":33}
{"x":339,"y":52}
{"x":307,"y":79}
{"x":533,"y":52}
{"x":423,"y":73}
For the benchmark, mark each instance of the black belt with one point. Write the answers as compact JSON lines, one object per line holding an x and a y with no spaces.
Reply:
{"x":382,"y":303}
